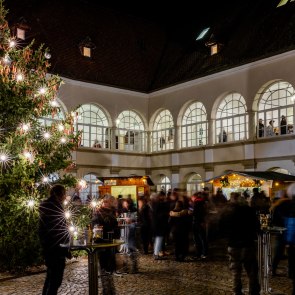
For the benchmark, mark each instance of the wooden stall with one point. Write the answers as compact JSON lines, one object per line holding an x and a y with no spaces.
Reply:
{"x":135,"y":186}
{"x":269,"y":181}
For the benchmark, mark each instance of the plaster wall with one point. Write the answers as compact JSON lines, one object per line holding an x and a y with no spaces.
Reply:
{"x":248,"y":80}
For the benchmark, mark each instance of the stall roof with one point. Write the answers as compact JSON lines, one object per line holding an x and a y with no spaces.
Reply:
{"x":148,"y":179}
{"x":265,"y":175}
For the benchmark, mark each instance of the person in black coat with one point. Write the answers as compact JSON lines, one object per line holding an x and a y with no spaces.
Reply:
{"x":199,"y":215}
{"x":279,"y":210}
{"x":283,"y":125}
{"x":145,"y":223}
{"x":160,"y":214}
{"x":179,"y":225}
{"x":240,"y":227}
{"x":53,"y":231}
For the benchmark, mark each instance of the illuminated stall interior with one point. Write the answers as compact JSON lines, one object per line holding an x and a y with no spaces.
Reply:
{"x":268,"y":181}
{"x":135,"y":186}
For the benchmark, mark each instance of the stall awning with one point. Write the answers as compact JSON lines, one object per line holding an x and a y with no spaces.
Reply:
{"x":262,"y":175}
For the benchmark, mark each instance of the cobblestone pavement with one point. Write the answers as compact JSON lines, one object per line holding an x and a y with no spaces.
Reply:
{"x":163,"y":277}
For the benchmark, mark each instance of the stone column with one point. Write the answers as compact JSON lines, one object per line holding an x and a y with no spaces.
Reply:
{"x":113,"y":138}
{"x":148,"y":142}
{"x":252,"y":125}
{"x":176,"y":136}
{"x":211,"y":131}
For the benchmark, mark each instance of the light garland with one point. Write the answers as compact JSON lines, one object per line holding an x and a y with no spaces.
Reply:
{"x":235,"y":181}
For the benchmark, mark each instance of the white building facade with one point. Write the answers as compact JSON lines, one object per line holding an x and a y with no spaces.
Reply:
{"x":187,"y":133}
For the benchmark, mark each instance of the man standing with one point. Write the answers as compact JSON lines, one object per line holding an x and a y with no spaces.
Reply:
{"x":240,"y":226}
{"x":53,"y":231}
{"x":199,"y":225}
{"x":260,"y":128}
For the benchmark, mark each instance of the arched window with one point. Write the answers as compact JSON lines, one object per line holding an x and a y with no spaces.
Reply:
{"x":276,"y":110}
{"x":91,"y":191}
{"x":164,"y":185}
{"x":194,"y":127}
{"x":163,"y":132}
{"x":194,"y":184}
{"x":130,"y":135}
{"x":93,"y":122}
{"x":232,"y":119}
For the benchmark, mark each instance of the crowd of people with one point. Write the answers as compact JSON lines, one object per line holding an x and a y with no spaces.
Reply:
{"x":174,"y":220}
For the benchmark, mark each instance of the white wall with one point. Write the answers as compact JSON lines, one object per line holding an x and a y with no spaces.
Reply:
{"x":247,"y":80}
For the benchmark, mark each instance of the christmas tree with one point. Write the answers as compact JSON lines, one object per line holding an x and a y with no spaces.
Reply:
{"x":35,"y":146}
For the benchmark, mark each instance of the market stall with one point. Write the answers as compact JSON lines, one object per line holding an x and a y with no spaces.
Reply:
{"x":129,"y":186}
{"x":268,"y":181}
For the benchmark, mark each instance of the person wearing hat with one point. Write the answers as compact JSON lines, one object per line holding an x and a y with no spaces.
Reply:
{"x":270,"y":129}
{"x":283,"y":125}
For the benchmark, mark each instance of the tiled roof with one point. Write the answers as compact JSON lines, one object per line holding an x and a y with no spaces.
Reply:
{"x":140,"y":51}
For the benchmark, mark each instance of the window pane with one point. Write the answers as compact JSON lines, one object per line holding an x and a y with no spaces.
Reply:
{"x":230,"y":109}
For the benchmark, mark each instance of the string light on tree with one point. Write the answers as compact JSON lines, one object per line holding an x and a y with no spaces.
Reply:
{"x":93,"y":203}
{"x":19,"y":77}
{"x":12,"y":43}
{"x":72,"y":228}
{"x":66,"y":201}
{"x":68,"y":214}
{"x":63,"y":140}
{"x":7,"y":60}
{"x":54,"y":103}
{"x":47,"y":55}
{"x":60,"y":127}
{"x":45,"y":179}
{"x":28,"y":155}
{"x":25,"y":127}
{"x":42,"y":90}
{"x":82,"y":183}
{"x":31,"y":204}
{"x":5,"y":158}
{"x":46,"y":135}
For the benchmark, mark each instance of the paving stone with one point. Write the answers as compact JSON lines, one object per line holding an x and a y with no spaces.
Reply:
{"x":163,"y":277}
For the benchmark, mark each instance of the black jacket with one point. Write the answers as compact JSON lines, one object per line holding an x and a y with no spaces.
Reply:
{"x":53,"y":229}
{"x":239,"y":225}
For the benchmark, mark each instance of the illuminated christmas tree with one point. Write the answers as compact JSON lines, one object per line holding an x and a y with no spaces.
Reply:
{"x":34,"y":152}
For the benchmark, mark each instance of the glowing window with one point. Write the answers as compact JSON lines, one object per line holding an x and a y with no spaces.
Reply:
{"x":165,"y":184}
{"x":282,"y":2}
{"x":194,"y":184}
{"x":202,"y":34}
{"x":20,"y":34}
{"x":232,"y":119}
{"x":214,"y":49}
{"x":91,"y":190}
{"x":276,"y":104}
{"x":163,"y":132}
{"x":87,"y":51}
{"x":94,"y":124}
{"x":130,"y":134}
{"x":194,"y":127}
